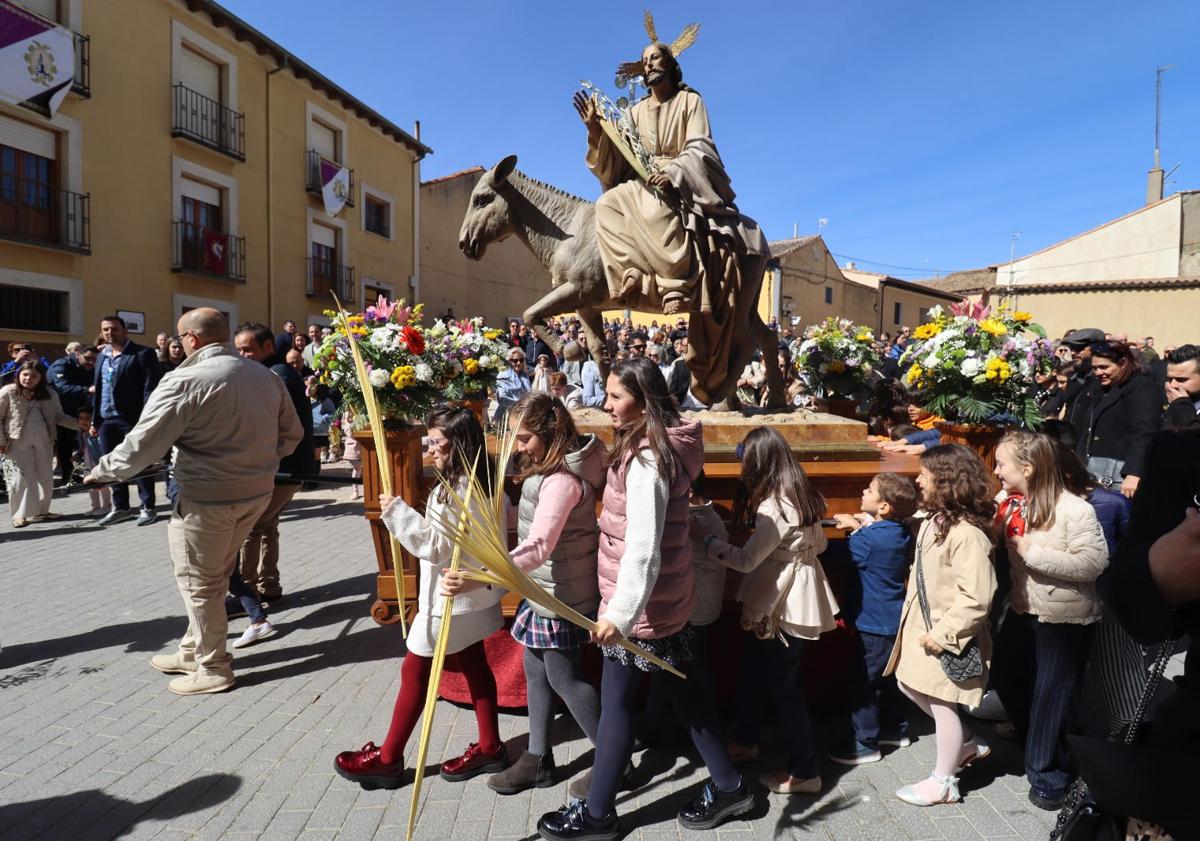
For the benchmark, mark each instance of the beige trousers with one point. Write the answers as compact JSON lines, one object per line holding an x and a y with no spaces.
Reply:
{"x":204,"y":542}
{"x":260,"y":552}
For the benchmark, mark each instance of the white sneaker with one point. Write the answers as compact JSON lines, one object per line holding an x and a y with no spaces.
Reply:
{"x":96,"y":512}
{"x":254,"y":634}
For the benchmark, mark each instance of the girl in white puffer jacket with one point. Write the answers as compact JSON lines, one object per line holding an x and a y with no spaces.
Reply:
{"x":1056,"y":551}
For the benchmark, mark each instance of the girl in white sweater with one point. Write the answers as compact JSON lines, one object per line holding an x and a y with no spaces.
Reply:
{"x":1056,"y":550}
{"x":455,"y":441}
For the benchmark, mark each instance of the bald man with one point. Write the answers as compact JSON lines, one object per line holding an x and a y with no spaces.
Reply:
{"x":230,"y":421}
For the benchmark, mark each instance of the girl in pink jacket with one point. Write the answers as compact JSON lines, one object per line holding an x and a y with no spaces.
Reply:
{"x":645,"y":580}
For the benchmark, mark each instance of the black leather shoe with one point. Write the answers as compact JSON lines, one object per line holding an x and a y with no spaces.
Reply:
{"x":1043,"y":800}
{"x":713,"y":806}
{"x":573,"y":822}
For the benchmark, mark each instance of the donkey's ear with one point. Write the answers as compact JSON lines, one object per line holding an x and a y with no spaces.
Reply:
{"x":502,"y":170}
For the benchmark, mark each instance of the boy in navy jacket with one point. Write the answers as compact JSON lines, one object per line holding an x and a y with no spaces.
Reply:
{"x":880,"y":546}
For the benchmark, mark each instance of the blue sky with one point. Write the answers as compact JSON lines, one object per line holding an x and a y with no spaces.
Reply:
{"x":925,"y":132}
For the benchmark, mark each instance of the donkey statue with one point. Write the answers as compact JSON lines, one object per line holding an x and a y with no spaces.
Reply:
{"x":560,"y":230}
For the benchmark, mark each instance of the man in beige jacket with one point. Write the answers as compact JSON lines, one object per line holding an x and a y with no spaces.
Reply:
{"x":229,"y":420}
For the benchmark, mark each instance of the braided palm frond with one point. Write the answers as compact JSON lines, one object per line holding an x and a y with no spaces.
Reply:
{"x":685,"y":39}
{"x":648,"y":21}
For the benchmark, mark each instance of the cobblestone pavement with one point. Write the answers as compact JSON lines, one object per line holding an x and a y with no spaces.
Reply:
{"x":93,"y":746}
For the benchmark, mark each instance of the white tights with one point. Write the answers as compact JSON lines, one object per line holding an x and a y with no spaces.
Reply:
{"x":948,"y":729}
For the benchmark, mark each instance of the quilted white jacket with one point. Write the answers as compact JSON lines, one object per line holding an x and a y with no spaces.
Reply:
{"x":1055,"y":577}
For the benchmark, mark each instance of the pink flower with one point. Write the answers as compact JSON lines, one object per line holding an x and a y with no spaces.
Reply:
{"x":382,"y":308}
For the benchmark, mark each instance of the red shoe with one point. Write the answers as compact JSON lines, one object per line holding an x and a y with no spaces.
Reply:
{"x":366,"y":768}
{"x":473,"y":763}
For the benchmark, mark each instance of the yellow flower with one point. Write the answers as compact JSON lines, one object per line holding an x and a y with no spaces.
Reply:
{"x":991,"y":325}
{"x":836,"y":366}
{"x":864,"y":336}
{"x":914,"y":373}
{"x":403,"y":376}
{"x":1022,"y":316}
{"x":471,"y":366}
{"x":998,"y":369}
{"x":926,"y":331}
{"x":491,"y":334}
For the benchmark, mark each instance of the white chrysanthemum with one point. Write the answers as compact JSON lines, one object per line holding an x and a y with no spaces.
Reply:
{"x":423,"y":372}
{"x":378,"y":377}
{"x":383,"y":338}
{"x":437,"y":330}
{"x":971,"y":366}
{"x":487,"y":361}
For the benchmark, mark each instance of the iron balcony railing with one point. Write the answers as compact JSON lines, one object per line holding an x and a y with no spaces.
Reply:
{"x":313,"y":176}
{"x":82,"y":83}
{"x":30,"y":211}
{"x":196,"y":249}
{"x":207,"y":122}
{"x":325,"y":276}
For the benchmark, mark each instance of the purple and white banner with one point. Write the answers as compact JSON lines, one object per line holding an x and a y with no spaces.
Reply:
{"x":335,"y":186}
{"x":37,"y":58}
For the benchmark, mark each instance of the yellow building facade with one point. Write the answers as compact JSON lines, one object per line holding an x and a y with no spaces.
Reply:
{"x":184,"y":171}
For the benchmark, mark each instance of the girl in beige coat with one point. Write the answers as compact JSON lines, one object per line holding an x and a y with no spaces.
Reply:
{"x":1057,"y":550}
{"x":29,"y":415}
{"x":785,"y":601}
{"x":954,"y":549}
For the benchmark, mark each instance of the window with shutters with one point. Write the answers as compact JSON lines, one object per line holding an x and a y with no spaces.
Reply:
{"x":198,"y":217}
{"x":204,"y":239}
{"x":377,"y":216}
{"x":203,"y":95}
{"x":325,"y":143}
{"x":897,"y":312}
{"x":829,"y":294}
{"x":32,"y":208}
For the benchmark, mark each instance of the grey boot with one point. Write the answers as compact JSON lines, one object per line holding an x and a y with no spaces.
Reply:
{"x":527,"y":772}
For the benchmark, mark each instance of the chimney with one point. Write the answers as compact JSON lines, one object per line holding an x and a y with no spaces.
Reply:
{"x":1154,"y":182}
{"x":850,"y":265}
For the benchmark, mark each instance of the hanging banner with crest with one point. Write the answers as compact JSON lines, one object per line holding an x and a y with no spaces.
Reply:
{"x":335,"y":186}
{"x":37,"y":59}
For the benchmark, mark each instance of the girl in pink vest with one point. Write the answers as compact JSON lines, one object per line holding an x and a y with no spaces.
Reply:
{"x":785,"y":601}
{"x":455,"y":441}
{"x":560,"y":472}
{"x":645,"y":578}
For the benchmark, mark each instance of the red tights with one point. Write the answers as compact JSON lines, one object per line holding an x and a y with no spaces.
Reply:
{"x":410,"y":703}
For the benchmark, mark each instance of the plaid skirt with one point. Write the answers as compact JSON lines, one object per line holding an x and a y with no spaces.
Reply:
{"x":533,"y":630}
{"x":676,"y":650}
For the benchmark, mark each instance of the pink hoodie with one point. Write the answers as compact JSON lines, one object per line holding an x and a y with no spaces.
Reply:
{"x":669,"y":605}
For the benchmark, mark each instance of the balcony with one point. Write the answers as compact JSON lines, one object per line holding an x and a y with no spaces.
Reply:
{"x":200,"y":251}
{"x":326,"y":276}
{"x":207,"y":122}
{"x":32,"y":212}
{"x":81,"y":85}
{"x":312,"y":181}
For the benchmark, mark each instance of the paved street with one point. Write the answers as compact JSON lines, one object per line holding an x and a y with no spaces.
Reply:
{"x":93,"y":746}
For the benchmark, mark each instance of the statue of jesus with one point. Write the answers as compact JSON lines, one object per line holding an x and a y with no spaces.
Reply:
{"x":674,"y":241}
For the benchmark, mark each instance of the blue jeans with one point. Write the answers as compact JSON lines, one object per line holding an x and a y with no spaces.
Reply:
{"x":112,"y":431}
{"x":875,"y":700}
{"x":246,"y":595}
{"x":769,"y":669}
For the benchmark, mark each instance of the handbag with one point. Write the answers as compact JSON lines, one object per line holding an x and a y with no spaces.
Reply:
{"x":958,"y":667}
{"x":1106,"y":471}
{"x":1081,"y":818}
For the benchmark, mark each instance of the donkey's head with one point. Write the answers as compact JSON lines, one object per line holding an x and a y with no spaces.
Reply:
{"x":489,"y":215}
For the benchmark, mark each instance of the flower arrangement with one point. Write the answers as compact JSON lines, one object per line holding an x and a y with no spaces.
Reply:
{"x":411,"y":367}
{"x":972,"y":364}
{"x":837,"y":357}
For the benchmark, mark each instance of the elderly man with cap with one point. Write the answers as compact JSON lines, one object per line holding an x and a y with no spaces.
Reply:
{"x":230,"y":421}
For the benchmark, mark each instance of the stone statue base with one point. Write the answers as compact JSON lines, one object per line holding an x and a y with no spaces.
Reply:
{"x":812,"y":436}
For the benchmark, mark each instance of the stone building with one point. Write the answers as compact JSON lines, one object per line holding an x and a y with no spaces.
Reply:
{"x":184,"y":170}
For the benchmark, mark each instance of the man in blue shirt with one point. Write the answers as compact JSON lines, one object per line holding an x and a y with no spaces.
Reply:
{"x":126,"y":373}
{"x":511,"y":384}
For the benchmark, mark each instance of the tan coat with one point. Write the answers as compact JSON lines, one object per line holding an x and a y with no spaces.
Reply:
{"x":784,"y":578}
{"x":1055,"y":580}
{"x":14,"y":409}
{"x":959,"y":583}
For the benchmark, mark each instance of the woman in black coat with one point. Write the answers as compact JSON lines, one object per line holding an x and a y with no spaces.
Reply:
{"x":1116,"y":417}
{"x":1152,"y":588}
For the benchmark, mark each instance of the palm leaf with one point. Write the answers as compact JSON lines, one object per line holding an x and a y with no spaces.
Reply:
{"x":435,"y":677}
{"x":375,"y":418}
{"x":648,"y":22}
